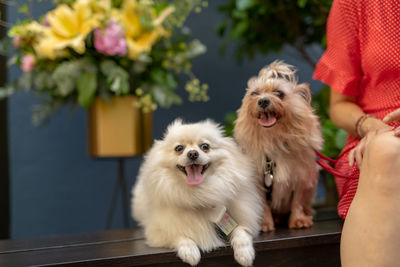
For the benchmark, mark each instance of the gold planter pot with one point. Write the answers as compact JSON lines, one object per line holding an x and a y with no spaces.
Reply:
{"x":117,"y":129}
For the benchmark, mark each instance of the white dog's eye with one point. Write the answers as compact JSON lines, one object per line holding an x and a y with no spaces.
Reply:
{"x":179,"y":148}
{"x":205,"y":147}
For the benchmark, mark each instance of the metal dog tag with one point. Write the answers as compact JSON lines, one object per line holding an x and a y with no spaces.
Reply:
{"x":268,"y":178}
{"x":222,"y":219}
{"x":268,"y":174}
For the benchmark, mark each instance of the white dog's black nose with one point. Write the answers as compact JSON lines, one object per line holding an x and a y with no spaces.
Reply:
{"x":263,"y":102}
{"x":193,"y":154}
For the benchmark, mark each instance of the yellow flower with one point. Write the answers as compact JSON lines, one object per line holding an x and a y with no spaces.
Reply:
{"x":138,"y":38}
{"x":142,"y":44}
{"x":68,"y":28}
{"x":131,"y":19}
{"x":100,"y":6}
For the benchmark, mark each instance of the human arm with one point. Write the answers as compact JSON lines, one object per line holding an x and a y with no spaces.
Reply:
{"x":344,"y":113}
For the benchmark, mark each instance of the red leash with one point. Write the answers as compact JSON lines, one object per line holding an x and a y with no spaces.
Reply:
{"x":327,"y":166}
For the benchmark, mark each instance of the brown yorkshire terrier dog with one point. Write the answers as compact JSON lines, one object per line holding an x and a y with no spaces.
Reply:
{"x":277,"y":128}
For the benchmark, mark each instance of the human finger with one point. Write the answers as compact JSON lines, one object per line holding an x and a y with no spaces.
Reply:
{"x":350,"y":158}
{"x":392,"y":116}
{"x":397,"y":132}
{"x":359,"y":153}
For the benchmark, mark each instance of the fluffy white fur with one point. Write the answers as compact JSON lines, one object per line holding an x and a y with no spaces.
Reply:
{"x":287,"y":131}
{"x":176,"y":215}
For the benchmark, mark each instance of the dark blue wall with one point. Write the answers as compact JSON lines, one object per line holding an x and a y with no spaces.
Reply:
{"x":56,"y":188}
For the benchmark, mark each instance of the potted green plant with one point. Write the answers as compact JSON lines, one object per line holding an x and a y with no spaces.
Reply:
{"x":101,"y":54}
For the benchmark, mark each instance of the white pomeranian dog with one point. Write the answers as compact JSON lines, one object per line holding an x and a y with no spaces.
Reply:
{"x":192,"y":181}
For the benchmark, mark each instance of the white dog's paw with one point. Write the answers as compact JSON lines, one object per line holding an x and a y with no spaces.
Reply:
{"x":188,"y":252}
{"x":242,"y":244}
{"x":244,"y":255}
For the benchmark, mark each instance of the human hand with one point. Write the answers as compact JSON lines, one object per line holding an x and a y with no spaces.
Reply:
{"x":371,"y":128}
{"x":393,"y":117}
{"x":356,"y":154}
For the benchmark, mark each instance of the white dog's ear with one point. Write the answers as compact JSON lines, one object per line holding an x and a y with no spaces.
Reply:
{"x":215,"y":127}
{"x":176,"y":123}
{"x":304,"y":91}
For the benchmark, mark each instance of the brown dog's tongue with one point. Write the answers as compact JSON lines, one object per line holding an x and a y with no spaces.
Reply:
{"x":194,"y":176}
{"x":267,"y":121}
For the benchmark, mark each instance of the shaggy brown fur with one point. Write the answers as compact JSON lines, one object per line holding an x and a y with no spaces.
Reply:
{"x":277,"y":121}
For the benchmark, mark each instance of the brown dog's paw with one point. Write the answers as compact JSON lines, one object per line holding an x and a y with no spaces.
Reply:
{"x":300,"y":221}
{"x":267,"y":224}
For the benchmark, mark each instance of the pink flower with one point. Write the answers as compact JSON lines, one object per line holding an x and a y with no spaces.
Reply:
{"x":111,"y":40}
{"x":28,"y":63}
{"x":17,"y":41}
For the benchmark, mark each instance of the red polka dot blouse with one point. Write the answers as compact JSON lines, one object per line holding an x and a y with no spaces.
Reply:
{"x":362,"y":59}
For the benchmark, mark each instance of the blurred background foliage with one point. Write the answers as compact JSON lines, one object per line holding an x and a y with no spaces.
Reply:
{"x":259,"y":26}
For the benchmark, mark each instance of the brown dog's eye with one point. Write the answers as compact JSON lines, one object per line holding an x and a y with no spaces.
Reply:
{"x":254,"y":93}
{"x":179,"y":148}
{"x":280,"y":94}
{"x":205,"y":147}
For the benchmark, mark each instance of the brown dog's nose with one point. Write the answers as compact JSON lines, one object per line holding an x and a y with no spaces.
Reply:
{"x":193,"y":154}
{"x":263,"y":102}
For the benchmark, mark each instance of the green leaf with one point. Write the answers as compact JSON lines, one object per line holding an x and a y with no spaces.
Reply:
{"x":301,"y":3}
{"x":25,"y":81}
{"x":147,"y":22}
{"x":157,"y":75}
{"x":244,"y":4}
{"x":43,"y":80}
{"x":165,"y":97}
{"x":170,"y":81}
{"x":239,"y":14}
{"x":6,"y":91}
{"x":341,"y":137}
{"x":117,"y":77}
{"x":221,"y":28}
{"x":196,"y":48}
{"x":229,"y":120}
{"x":5,"y":45}
{"x":65,"y":76}
{"x":87,"y":85}
{"x":239,"y":29}
{"x":42,"y":112}
{"x":159,"y":7}
{"x":102,"y":88}
{"x":23,"y":9}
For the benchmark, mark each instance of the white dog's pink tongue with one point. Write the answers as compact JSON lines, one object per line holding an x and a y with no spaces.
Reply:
{"x":267,"y":121}
{"x":194,"y":176}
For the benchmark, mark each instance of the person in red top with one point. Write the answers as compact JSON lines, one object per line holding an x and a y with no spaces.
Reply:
{"x":362,"y":66}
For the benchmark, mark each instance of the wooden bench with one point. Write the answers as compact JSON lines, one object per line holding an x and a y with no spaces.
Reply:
{"x":317,"y":246}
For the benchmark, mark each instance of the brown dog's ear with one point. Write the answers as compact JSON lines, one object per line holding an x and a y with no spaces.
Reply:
{"x":303,"y":89}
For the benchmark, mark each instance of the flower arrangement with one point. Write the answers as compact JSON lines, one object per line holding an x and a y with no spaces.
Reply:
{"x":84,"y":49}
